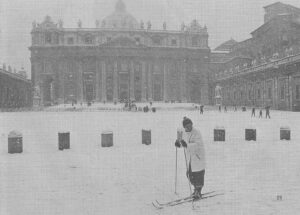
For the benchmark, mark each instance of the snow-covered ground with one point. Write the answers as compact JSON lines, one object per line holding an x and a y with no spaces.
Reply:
{"x":126,"y":178}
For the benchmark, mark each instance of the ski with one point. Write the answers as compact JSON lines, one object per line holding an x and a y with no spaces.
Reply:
{"x":181,"y":199}
{"x":157,"y":206}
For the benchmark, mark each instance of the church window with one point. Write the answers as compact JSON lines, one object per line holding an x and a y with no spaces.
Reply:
{"x":137,"y":40}
{"x":48,"y":38}
{"x":156,"y":41}
{"x":195,"y":41}
{"x":88,"y":40}
{"x":174,"y":42}
{"x":298,"y":92}
{"x":70,"y":40}
{"x":269,"y":93}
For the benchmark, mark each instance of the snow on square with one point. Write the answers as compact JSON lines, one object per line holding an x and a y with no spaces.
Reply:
{"x":256,"y":177}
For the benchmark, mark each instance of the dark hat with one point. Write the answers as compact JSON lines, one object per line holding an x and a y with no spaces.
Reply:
{"x":186,"y":121}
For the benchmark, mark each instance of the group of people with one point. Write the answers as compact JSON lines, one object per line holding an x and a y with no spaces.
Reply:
{"x":261,"y":112}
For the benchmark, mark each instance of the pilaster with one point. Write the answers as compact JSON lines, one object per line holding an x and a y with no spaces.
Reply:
{"x":80,"y":81}
{"x":115,"y":81}
{"x":144,"y":83}
{"x":150,"y":84}
{"x":103,"y":85}
{"x":132,"y":96}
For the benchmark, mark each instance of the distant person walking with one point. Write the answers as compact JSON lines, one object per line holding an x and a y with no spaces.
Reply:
{"x":225,"y":109}
{"x":220,"y":108}
{"x":235,"y":108}
{"x":260,"y":113}
{"x":253,"y":112}
{"x":201,"y":109}
{"x":268,"y":112}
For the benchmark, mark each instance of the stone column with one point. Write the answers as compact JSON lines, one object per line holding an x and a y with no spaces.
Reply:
{"x":166,"y":98}
{"x":35,"y":75}
{"x":183,"y":82}
{"x":132,"y":96}
{"x":42,"y":81}
{"x":115,"y":80}
{"x":150,"y":84}
{"x":98,"y":79}
{"x":263,"y":94}
{"x":61,"y":80}
{"x":275,"y":97}
{"x":290,"y":92}
{"x":144,"y":83}
{"x":79,"y":81}
{"x":103,"y":85}
{"x":33,"y":72}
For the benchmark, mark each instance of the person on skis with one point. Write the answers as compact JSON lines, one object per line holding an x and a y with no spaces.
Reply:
{"x":195,"y":156}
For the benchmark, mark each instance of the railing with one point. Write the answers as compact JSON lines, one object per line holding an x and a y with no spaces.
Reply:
{"x":99,"y":29}
{"x":99,"y":44}
{"x":262,"y":67}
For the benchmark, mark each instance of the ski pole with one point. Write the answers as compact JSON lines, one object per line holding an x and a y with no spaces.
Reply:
{"x":176,"y":173}
{"x":187,"y":170}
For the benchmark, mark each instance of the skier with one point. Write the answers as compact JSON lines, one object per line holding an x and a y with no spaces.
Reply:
{"x":194,"y":148}
{"x":253,"y":112}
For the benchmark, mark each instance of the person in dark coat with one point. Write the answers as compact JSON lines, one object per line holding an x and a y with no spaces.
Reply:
{"x":260,"y":113}
{"x":225,"y":108}
{"x":220,"y":108}
{"x":253,"y":112}
{"x":201,"y":109}
{"x":268,"y":112}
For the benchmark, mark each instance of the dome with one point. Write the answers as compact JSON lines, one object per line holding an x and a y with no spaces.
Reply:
{"x":120,"y":18}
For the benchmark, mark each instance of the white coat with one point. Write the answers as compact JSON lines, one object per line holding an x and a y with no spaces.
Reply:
{"x":195,"y":152}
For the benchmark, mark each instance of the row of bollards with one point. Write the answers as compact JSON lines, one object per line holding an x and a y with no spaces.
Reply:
{"x":15,"y":140}
{"x":250,"y":134}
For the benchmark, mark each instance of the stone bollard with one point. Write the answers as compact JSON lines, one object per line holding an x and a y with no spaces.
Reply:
{"x":146,"y":137}
{"x":279,"y":197}
{"x":219,"y":134}
{"x":63,"y":140}
{"x":15,"y":142}
{"x":285,"y":133}
{"x":107,"y":139}
{"x":146,"y":109}
{"x":250,"y":134}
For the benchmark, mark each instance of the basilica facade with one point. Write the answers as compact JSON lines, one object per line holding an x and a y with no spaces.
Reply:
{"x":120,"y":59}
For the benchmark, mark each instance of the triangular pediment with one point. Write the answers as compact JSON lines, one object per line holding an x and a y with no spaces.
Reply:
{"x":123,"y":42}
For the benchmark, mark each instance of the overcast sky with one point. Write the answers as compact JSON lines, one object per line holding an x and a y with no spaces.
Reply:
{"x":225,"y":19}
